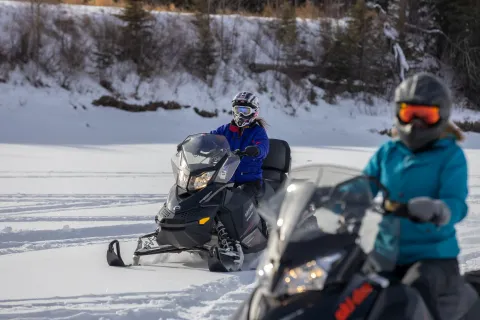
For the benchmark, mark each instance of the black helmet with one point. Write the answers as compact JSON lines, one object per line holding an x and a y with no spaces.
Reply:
{"x":245,"y":107}
{"x":422,"y":89}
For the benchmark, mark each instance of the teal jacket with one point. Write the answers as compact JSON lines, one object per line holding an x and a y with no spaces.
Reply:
{"x":440,"y":173}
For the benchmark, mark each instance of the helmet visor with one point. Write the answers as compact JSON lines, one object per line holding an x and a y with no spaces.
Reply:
{"x":243,"y":110}
{"x":429,"y":114}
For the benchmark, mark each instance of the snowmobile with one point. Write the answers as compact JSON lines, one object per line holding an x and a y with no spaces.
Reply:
{"x":331,"y":270}
{"x":203,"y":198}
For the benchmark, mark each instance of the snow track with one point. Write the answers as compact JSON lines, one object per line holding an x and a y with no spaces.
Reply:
{"x":56,"y":221}
{"x":45,"y":221}
{"x":220,"y":300}
{"x":35,"y":203}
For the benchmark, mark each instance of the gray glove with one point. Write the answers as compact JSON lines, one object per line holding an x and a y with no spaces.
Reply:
{"x":426,"y":209}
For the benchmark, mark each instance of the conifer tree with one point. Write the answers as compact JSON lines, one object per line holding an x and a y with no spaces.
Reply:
{"x":204,"y":52}
{"x":137,"y":31}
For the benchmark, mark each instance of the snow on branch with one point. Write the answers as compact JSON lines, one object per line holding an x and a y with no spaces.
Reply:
{"x":425,"y":30}
{"x":400,"y":57}
{"x":392,"y":34}
{"x":376,"y":6}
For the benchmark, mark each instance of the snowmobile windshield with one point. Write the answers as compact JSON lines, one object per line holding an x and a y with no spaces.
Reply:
{"x":204,"y":151}
{"x":336,"y":196}
{"x":194,"y":162}
{"x":318,"y":200}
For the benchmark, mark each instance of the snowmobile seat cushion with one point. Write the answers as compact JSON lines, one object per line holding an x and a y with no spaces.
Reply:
{"x":279,"y":157}
{"x":458,"y":301}
{"x":473,"y":277}
{"x":274,"y":178}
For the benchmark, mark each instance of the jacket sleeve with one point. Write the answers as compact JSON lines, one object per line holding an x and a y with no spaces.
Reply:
{"x":261,"y":141}
{"x":219,"y":130}
{"x":454,"y":186}
{"x":372,"y":169}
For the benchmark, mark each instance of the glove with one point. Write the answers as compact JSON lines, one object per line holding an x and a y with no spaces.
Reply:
{"x":425,"y":209}
{"x":252,"y":151}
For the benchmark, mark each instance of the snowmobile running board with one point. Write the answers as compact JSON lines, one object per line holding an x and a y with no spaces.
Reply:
{"x":115,"y":259}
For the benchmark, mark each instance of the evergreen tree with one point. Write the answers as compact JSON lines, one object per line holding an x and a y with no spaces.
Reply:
{"x":287,"y":32}
{"x":204,"y":52}
{"x":460,"y":22}
{"x":137,"y":31}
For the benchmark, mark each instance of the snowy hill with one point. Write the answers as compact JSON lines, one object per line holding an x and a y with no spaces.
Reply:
{"x":53,"y":97}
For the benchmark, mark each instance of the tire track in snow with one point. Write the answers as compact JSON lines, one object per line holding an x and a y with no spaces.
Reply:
{"x":79,"y":174}
{"x":11,"y":242}
{"x":38,"y":203}
{"x":55,"y":244}
{"x":32,"y":240}
{"x":215,"y":300}
{"x":77,"y":219}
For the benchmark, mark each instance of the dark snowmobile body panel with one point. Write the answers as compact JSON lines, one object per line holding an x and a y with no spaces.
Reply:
{"x":180,"y":226}
{"x":395,"y":303}
{"x":239,"y":216}
{"x":179,"y":219}
{"x":398,"y":302}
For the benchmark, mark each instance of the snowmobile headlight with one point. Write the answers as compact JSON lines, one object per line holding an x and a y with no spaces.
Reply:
{"x":182,"y":178}
{"x":200,"y":181}
{"x":307,"y":277}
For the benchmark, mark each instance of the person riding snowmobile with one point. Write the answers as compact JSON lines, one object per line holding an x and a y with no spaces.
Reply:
{"x":246,"y":132}
{"x":425,"y":171}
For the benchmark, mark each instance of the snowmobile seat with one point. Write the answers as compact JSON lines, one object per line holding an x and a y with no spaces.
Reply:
{"x":458,"y":302}
{"x":277,"y":163}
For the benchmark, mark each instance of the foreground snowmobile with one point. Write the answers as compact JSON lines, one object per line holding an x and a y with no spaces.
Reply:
{"x":329,"y":271}
{"x":202,"y":199}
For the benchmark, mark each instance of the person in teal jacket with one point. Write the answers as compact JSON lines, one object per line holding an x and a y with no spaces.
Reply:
{"x":425,"y":169}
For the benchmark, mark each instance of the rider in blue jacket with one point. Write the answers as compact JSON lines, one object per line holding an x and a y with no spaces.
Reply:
{"x":246,"y":132}
{"x":426,"y":170}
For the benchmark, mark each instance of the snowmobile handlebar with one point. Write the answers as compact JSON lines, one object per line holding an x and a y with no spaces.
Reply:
{"x":240,"y":153}
{"x":250,"y":151}
{"x":399,"y":209}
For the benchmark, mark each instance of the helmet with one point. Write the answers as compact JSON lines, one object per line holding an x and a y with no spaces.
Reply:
{"x":427,"y":92}
{"x":245,"y":108}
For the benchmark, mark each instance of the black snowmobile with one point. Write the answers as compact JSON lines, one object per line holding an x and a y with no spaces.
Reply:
{"x":203,"y":204}
{"x":330,"y":270}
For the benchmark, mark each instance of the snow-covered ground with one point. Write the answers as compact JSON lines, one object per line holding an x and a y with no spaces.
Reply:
{"x":61,"y":205}
{"x":72,"y":179}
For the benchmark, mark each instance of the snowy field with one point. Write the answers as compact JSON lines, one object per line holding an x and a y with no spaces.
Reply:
{"x":61,"y":205}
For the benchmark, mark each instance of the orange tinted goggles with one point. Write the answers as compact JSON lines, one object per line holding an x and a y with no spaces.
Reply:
{"x":429,"y":114}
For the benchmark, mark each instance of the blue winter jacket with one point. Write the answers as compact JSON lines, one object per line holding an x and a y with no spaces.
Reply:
{"x":439,"y":173}
{"x":250,"y":168}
